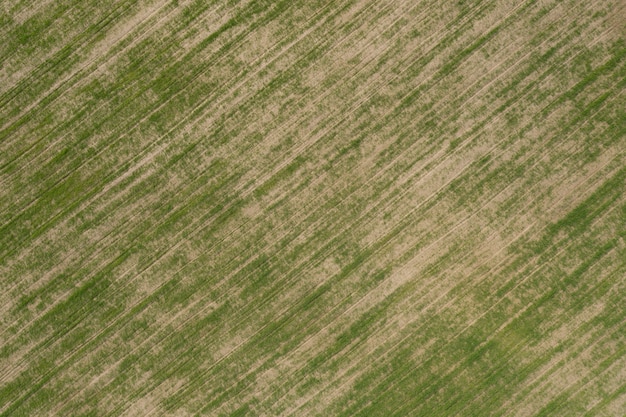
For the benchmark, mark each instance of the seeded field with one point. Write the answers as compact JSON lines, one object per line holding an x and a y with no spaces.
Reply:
{"x":312,"y":208}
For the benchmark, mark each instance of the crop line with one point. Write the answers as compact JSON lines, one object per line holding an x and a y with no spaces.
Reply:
{"x":281,"y":314}
{"x":615,"y":158}
{"x":78,"y":36}
{"x":404,"y":267}
{"x":58,"y":15}
{"x":27,"y":11}
{"x":573,"y":356}
{"x":583,"y":327}
{"x":125,"y":130}
{"x":161,"y":222}
{"x":106,"y":18}
{"x":104,"y":60}
{"x":85,"y":79}
{"x":537,"y":268}
{"x":530,"y":273}
{"x":243,"y":82}
{"x":455,"y":366}
{"x":519,"y":347}
{"x":110,"y":186}
{"x":432,"y":303}
{"x":132,"y":43}
{"x":609,"y":399}
{"x":114,"y":366}
{"x":432,"y":244}
{"x":167,"y":134}
{"x":177,"y":245}
{"x":232,"y":351}
{"x":395,"y":345}
{"x":505,"y":295}
{"x":491,"y":269}
{"x":535,"y":383}
{"x":340,"y":42}
{"x":137,"y":235}
{"x":90,"y":60}
{"x":388,"y":164}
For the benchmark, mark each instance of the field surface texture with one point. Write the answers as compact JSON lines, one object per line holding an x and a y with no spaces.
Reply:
{"x":312,"y":208}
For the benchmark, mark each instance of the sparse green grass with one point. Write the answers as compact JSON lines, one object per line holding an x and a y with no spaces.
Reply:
{"x":311,"y":208}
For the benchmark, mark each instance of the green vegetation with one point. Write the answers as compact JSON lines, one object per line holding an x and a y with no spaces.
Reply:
{"x":289,"y":208}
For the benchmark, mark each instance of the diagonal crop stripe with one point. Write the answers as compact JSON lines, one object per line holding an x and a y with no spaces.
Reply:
{"x":312,"y":208}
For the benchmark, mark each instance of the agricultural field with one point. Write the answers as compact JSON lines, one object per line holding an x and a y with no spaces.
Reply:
{"x":312,"y":208}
